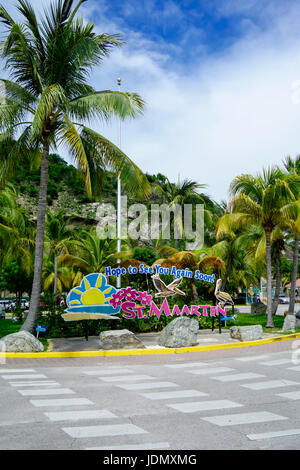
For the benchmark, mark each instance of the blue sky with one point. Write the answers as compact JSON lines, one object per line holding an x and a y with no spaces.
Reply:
{"x":221,"y":81}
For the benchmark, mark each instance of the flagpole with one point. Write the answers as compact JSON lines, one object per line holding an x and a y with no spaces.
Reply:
{"x":119,"y":198}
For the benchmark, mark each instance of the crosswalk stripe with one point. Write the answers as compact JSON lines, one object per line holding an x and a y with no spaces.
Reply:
{"x":270,"y":435}
{"x":211,"y":370}
{"x":243,"y":418}
{"x":122,"y":378}
{"x":34,"y":384}
{"x":185,"y":365}
{"x":46,"y":391}
{"x":251,"y":358}
{"x":103,"y":430}
{"x":174,"y":394}
{"x":77,"y":415}
{"x":24,"y":376}
{"x":276,"y":362}
{"x":62,"y":402}
{"x":235,"y":377}
{"x":290,"y":395}
{"x":10,"y":371}
{"x":192,"y":407}
{"x":147,"y":385}
{"x":108,"y":372}
{"x":296,"y":368}
{"x":145,"y":446}
{"x":270,"y":384}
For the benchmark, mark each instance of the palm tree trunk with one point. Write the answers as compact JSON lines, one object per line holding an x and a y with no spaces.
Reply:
{"x":55,"y":275}
{"x":228,"y":268}
{"x":277,"y":283}
{"x":270,"y":323}
{"x":194,"y":291}
{"x":30,"y":321}
{"x":294,"y":276}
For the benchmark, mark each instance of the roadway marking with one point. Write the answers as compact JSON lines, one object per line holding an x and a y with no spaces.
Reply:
{"x":244,"y":418}
{"x":147,"y":385}
{"x":204,"y":405}
{"x":290,"y":395}
{"x":234,"y":377}
{"x":211,"y":370}
{"x":146,"y":446}
{"x":297,"y":368}
{"x":108,"y":371}
{"x":269,"y":435}
{"x":122,"y":378}
{"x":24,"y":376}
{"x":34,"y":384}
{"x":9,"y":371}
{"x":251,"y":358}
{"x":104,"y":430}
{"x":276,"y":362}
{"x":174,"y":394}
{"x":62,"y":402}
{"x":77,"y":415}
{"x":186,"y":365}
{"x":47,"y":391}
{"x":270,"y":384}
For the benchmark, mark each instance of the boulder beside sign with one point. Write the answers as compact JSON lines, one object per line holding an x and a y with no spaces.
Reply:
{"x":246,"y":333}
{"x":181,"y":332}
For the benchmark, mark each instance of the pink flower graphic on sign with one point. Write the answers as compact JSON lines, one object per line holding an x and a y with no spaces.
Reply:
{"x":144,"y":298}
{"x":129,"y":293}
{"x":116,"y":299}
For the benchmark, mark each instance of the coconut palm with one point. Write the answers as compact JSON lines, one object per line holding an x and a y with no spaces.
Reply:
{"x":48,"y":100}
{"x":261,"y":200}
{"x":89,"y":254}
{"x":293,"y":224}
{"x":184,"y":192}
{"x":58,"y":236}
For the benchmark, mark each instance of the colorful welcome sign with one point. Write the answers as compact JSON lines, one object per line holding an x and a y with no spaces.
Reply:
{"x":95,"y":299}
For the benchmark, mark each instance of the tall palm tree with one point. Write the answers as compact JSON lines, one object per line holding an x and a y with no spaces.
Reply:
{"x":261,"y":200}
{"x":183,"y":192}
{"x":48,"y":100}
{"x":57,"y":234}
{"x":293,"y":224}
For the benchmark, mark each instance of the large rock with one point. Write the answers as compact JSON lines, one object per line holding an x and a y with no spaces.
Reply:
{"x":179,"y":333}
{"x":289,"y":323}
{"x":246,"y":333}
{"x":258,"y":308}
{"x":119,"y":339}
{"x":22,"y":341}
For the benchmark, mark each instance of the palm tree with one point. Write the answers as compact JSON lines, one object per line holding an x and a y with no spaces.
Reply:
{"x":261,"y":200}
{"x":58,"y":235}
{"x":293,"y":224}
{"x":89,"y":254}
{"x":48,"y":100}
{"x":184,"y":192}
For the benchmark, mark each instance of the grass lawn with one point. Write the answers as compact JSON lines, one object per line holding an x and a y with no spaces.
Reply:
{"x":8,"y":326}
{"x":252,"y":319}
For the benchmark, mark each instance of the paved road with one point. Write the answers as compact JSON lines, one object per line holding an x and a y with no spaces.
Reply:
{"x":237,"y":399}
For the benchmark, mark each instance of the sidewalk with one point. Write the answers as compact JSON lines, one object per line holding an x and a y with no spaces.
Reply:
{"x":150,"y":340}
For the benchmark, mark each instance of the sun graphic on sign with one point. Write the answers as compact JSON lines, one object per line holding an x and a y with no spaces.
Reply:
{"x":93,"y":295}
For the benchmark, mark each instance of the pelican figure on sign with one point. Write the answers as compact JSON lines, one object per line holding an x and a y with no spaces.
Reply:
{"x":222,"y":297}
{"x":166,"y":291}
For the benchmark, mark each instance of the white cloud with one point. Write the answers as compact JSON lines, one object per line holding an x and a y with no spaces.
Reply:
{"x":221,"y":116}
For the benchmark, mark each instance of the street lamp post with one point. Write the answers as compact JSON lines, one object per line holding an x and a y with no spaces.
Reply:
{"x":119,"y":199}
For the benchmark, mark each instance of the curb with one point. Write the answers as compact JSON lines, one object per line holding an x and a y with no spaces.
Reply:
{"x":146,"y":352}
